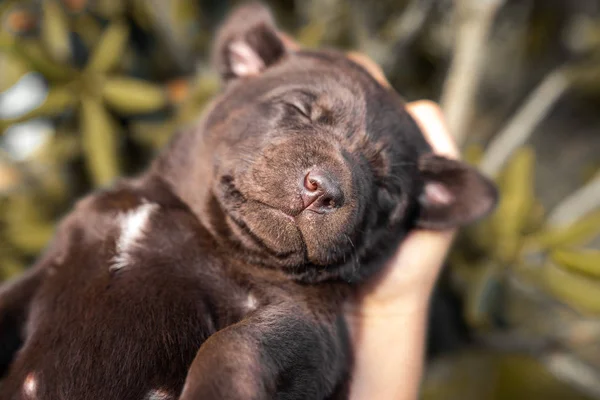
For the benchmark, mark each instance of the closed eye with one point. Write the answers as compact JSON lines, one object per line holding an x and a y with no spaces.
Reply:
{"x":300,"y":108}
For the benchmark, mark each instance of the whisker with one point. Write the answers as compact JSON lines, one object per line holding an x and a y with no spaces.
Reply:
{"x":355,"y":260}
{"x":400,"y":164}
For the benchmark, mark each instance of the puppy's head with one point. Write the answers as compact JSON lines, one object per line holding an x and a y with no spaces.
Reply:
{"x":317,"y":168}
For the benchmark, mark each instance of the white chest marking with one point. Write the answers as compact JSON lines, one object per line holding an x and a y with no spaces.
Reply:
{"x":251,"y":302}
{"x":157,"y":394}
{"x":133,"y":225}
{"x":30,"y":385}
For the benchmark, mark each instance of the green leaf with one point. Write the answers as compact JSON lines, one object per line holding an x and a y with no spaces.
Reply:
{"x":88,"y":29}
{"x":99,"y":141}
{"x":151,"y":134}
{"x":312,"y":34}
{"x":133,"y":96}
{"x":516,"y":201}
{"x":578,"y":291}
{"x":110,"y":9}
{"x":110,"y":48}
{"x":575,"y":234}
{"x":583,"y":261}
{"x":55,"y":31}
{"x":27,"y":225}
{"x":35,"y":54}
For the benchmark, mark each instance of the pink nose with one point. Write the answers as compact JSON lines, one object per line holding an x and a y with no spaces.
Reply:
{"x":321,"y":192}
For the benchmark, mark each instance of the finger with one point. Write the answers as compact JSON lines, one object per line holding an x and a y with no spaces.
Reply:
{"x":409,"y":276}
{"x":430,"y":119}
{"x":372,"y":68}
{"x":288,"y":42}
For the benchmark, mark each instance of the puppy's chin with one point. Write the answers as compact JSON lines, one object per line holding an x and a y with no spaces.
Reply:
{"x":275,"y":239}
{"x":328,"y":238}
{"x":266,"y":231}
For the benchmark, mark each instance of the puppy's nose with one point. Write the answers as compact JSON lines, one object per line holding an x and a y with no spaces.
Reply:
{"x":321,"y":192}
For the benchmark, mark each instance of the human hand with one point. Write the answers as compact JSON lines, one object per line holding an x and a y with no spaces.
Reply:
{"x":388,"y":318}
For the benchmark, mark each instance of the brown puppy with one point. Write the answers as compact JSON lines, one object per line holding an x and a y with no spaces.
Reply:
{"x":220,"y":272}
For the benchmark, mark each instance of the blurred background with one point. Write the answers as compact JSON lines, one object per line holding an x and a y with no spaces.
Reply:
{"x":91,"y":90}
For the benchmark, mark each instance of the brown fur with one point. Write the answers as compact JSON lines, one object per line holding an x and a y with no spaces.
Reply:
{"x":229,"y":287}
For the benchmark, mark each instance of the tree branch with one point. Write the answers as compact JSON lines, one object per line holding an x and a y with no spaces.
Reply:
{"x":475,"y":19}
{"x":523,"y":123}
{"x":576,"y":205}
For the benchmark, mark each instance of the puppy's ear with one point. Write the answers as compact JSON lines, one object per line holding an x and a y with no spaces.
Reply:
{"x":247,"y":42}
{"x":453,"y":194}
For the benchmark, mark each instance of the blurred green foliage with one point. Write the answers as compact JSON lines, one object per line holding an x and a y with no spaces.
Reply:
{"x":121,"y":76}
{"x":112,"y":96}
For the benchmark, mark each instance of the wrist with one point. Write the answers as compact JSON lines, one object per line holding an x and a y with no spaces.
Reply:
{"x":389,"y":349}
{"x":377,"y":308}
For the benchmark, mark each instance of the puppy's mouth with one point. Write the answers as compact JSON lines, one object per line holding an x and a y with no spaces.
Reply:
{"x":245,"y":230}
{"x":290,"y":216}
{"x":260,"y":227}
